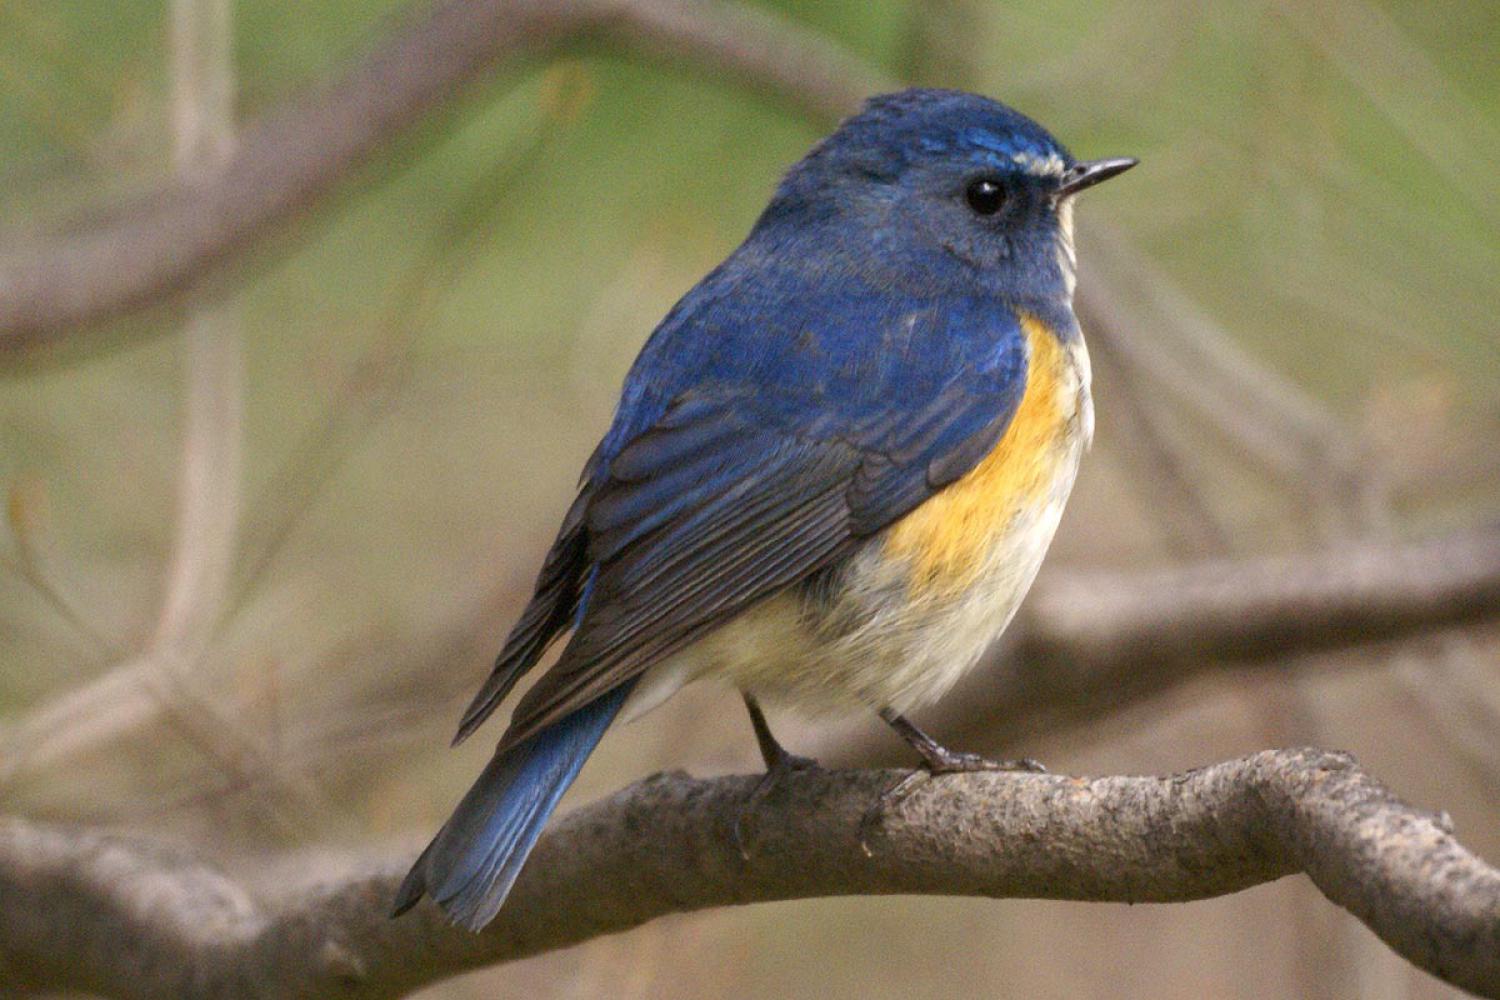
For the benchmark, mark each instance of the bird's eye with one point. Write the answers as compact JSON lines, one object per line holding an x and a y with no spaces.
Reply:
{"x":985,"y":195}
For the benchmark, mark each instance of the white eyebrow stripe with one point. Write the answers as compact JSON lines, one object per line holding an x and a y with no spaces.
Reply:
{"x":1040,"y":166}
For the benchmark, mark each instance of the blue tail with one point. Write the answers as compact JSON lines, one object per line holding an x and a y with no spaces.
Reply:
{"x":471,"y":864}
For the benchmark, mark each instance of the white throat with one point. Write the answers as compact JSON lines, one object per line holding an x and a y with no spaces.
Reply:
{"x":1067,"y":257}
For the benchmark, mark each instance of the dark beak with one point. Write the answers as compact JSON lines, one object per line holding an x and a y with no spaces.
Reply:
{"x":1087,"y":174}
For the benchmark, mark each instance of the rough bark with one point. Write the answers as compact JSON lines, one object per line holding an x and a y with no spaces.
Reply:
{"x":82,"y":910}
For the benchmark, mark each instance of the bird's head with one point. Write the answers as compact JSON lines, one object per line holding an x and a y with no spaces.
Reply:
{"x":924,"y":179}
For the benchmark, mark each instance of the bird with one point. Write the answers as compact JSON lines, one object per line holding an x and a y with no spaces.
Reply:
{"x":832,"y":474}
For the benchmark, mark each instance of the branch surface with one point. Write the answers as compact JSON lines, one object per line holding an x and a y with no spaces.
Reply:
{"x":81,"y":910}
{"x":287,"y":161}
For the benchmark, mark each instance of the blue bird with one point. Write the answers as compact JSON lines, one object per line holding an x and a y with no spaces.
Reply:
{"x":832,"y":475}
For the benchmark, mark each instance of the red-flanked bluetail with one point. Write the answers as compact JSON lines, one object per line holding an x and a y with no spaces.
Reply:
{"x":833,"y":473}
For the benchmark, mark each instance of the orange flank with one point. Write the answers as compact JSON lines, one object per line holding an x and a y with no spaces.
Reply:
{"x":948,"y":539}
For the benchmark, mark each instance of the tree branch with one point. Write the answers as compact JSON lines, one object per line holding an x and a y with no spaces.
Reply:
{"x":1245,"y":608}
{"x":80,"y":910}
{"x":208,"y":496}
{"x":1087,"y":643}
{"x":1192,"y":358}
{"x":292,"y":157}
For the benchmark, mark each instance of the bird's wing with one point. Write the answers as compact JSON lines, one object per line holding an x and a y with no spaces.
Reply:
{"x":731,"y":496}
{"x":553,"y":605}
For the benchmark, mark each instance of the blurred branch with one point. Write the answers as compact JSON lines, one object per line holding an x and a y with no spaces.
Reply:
{"x":1089,"y":643}
{"x":943,"y":43}
{"x":1159,"y":470}
{"x":1289,"y":433}
{"x":1454,"y":689}
{"x":23,"y":518}
{"x":411,"y":676}
{"x":1086,"y":644}
{"x":372,"y":388}
{"x":209,"y":491}
{"x":209,"y":498}
{"x":1252,"y":608}
{"x":290,"y":159}
{"x":134,"y":693}
{"x":84,"y":911}
{"x":1403,"y":83}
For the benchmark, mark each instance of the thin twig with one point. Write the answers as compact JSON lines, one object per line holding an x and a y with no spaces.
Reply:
{"x":29,"y":566}
{"x":1160,"y":469}
{"x":1454,"y":686}
{"x":385,"y":368}
{"x":1404,"y":84}
{"x":127,"y":698}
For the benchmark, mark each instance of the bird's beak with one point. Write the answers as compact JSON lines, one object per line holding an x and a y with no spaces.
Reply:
{"x":1091,"y":172}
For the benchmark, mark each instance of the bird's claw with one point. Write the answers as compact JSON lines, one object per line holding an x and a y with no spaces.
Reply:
{"x":786,"y":763}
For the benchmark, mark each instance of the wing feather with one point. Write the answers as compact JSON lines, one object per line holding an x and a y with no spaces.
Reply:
{"x":553,"y":605}
{"x":649,"y":601}
{"x":739,"y":487}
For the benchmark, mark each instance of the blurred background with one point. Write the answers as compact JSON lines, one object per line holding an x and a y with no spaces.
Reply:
{"x":253,"y":566}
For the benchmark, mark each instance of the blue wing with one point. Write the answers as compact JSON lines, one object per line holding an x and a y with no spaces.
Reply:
{"x":777,"y":418}
{"x":755,"y":446}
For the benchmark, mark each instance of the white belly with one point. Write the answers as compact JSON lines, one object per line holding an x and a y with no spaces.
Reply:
{"x":871,"y":645}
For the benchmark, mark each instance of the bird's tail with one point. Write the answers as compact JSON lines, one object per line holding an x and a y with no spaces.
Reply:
{"x":471,"y":864}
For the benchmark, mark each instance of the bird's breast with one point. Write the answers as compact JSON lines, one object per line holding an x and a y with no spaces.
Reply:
{"x":920,"y":604}
{"x":948,"y":542}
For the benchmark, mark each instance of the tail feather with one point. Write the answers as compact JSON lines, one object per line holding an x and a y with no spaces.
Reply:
{"x":471,"y":864}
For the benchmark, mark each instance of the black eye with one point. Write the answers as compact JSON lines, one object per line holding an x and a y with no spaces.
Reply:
{"x":985,"y":195}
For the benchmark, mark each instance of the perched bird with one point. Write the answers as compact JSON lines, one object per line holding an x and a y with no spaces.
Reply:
{"x":832,"y":475}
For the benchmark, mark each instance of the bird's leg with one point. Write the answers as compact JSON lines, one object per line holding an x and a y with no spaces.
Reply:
{"x":936,"y":759}
{"x":776,"y":756}
{"x":778,"y":760}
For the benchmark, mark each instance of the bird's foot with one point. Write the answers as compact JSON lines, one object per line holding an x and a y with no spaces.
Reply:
{"x":780,"y":765}
{"x":941,"y":760}
{"x":936,"y":760}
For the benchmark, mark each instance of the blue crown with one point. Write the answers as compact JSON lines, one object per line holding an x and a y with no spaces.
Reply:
{"x":897,"y":127}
